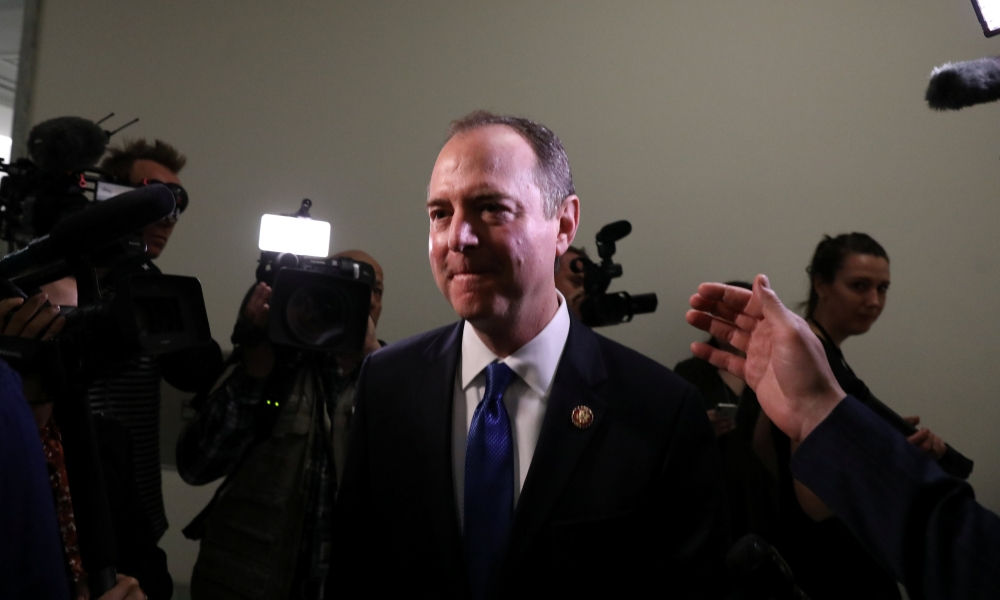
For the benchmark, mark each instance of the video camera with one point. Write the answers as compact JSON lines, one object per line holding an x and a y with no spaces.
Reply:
{"x":317,"y":303}
{"x":600,"y":308}
{"x":68,"y":219}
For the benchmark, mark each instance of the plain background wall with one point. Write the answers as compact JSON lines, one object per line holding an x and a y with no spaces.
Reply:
{"x":733,"y":134}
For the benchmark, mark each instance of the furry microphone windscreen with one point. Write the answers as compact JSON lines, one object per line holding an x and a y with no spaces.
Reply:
{"x":66,"y":144}
{"x":957,"y":85}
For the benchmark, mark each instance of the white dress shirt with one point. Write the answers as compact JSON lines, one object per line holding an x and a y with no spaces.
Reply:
{"x":526,"y":396}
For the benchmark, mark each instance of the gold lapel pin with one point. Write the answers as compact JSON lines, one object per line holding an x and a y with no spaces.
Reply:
{"x":583,"y":417}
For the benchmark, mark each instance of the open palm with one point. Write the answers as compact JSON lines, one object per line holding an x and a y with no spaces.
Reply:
{"x":785,"y":364}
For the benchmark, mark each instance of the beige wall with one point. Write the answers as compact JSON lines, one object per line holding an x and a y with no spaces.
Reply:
{"x":732,"y":134}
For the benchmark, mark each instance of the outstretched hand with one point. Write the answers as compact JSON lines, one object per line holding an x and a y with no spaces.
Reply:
{"x":785,"y":363}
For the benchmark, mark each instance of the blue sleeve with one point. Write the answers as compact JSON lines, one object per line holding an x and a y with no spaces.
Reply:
{"x":31,"y":554}
{"x":923,"y":525}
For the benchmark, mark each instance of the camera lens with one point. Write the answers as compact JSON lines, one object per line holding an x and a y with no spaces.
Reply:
{"x":316,"y":313}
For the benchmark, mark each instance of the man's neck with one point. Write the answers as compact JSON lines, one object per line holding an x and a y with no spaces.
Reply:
{"x":505,"y":336}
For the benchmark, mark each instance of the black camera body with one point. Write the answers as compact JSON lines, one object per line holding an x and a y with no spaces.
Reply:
{"x":319,"y":305}
{"x":61,"y":217}
{"x":600,"y":308}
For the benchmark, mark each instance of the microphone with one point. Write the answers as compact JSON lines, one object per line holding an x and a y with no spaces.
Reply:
{"x":956,"y":85}
{"x":66,"y":144}
{"x":760,"y":569}
{"x":92,"y":228}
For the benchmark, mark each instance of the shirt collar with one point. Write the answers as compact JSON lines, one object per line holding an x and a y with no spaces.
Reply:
{"x":535,"y":362}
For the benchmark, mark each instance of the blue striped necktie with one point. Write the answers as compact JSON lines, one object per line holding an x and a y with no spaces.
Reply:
{"x":489,"y":481}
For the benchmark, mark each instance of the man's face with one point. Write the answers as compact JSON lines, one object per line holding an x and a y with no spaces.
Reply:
{"x":157,"y":234}
{"x":492,"y":250}
{"x":570,"y":283}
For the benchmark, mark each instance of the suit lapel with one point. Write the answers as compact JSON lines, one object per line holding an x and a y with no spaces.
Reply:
{"x":434,"y":397}
{"x":560,"y":443}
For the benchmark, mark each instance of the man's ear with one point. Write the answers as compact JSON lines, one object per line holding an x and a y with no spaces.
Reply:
{"x":569,"y":220}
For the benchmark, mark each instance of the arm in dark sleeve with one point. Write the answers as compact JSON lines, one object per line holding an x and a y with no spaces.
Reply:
{"x":696,"y":512}
{"x":923,"y":525}
{"x":214,"y":441}
{"x":193,"y":369}
{"x":353,"y":555}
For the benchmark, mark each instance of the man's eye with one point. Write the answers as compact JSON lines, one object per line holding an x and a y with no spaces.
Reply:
{"x":437,"y":215}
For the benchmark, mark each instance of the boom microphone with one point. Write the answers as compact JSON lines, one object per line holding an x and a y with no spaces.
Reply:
{"x":66,"y":144}
{"x":956,"y":85}
{"x":761,"y":570}
{"x":92,"y":228}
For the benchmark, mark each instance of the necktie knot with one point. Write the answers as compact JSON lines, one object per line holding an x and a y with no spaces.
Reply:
{"x":498,"y":377}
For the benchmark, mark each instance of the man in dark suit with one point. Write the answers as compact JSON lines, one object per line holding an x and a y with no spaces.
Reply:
{"x":516,"y":453}
{"x":922,"y":524}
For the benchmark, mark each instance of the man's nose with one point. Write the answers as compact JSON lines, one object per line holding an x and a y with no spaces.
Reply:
{"x":461,"y":234}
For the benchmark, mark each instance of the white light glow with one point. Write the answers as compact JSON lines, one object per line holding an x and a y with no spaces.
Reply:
{"x":990,"y":9}
{"x":304,"y":237}
{"x":5,"y":144}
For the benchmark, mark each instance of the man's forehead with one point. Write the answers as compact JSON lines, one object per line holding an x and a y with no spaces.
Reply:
{"x":491,"y":150}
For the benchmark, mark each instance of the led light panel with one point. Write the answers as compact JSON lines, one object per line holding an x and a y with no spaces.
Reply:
{"x":304,"y":237}
{"x":988,"y":12}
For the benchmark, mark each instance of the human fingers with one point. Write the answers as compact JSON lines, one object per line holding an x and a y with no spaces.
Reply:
{"x":914,"y":420}
{"x":127,"y":588}
{"x":24,"y":314}
{"x":919,"y":438}
{"x":55,"y":329}
{"x":765,"y":302}
{"x":734,"y":298}
{"x":939,"y":447}
{"x":933,"y":445}
{"x":257,"y":308}
{"x":40,"y":322}
{"x":736,"y":334}
{"x":9,"y":304}
{"x":720,"y":358}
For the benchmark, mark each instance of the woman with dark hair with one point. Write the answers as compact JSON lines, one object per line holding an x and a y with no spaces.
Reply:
{"x":849,"y":281}
{"x":751,"y":489}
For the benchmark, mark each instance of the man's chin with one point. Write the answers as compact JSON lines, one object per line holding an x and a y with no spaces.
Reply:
{"x":474,"y":309}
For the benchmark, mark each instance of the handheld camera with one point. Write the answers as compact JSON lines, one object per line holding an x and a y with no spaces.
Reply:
{"x":600,"y":308}
{"x":317,"y":303}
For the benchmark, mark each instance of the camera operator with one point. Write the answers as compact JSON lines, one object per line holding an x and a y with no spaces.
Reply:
{"x":278,"y":430}
{"x":569,"y":282}
{"x":131,"y":395}
{"x":139,"y":556}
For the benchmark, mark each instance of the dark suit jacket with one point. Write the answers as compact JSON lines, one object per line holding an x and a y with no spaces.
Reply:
{"x":632,"y":505}
{"x":923,"y":525}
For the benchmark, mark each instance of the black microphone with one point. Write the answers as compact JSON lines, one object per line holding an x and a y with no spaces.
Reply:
{"x":66,"y":144}
{"x":92,"y":228}
{"x":956,"y":85}
{"x":761,"y":570}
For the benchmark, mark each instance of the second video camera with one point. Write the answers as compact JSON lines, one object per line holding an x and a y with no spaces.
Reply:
{"x":317,"y":303}
{"x":600,"y":308}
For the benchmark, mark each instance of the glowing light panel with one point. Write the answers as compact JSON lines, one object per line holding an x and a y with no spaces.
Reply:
{"x":989,"y":15}
{"x":304,"y":237}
